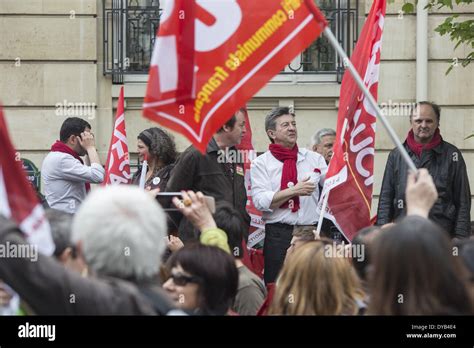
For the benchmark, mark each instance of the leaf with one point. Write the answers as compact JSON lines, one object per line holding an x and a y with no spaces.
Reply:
{"x":408,"y":8}
{"x":470,"y":136}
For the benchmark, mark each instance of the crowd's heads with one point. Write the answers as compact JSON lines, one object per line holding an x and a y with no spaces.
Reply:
{"x":120,"y":231}
{"x":156,"y":144}
{"x":317,"y":280}
{"x":232,"y":132}
{"x":465,"y":250}
{"x":280,"y":126}
{"x":301,"y":235}
{"x":203,"y":279}
{"x":323,"y":141}
{"x":228,"y":219}
{"x":61,"y":225}
{"x":364,"y":238}
{"x":416,"y":273}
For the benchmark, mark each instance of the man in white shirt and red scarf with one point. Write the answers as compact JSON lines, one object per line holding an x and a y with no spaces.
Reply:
{"x":284,"y":187}
{"x":66,"y":178}
{"x":446,"y":165}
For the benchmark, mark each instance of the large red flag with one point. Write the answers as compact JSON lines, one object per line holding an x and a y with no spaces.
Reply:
{"x":238,"y":46}
{"x":350,"y":174}
{"x":117,"y":170}
{"x":18,"y":201}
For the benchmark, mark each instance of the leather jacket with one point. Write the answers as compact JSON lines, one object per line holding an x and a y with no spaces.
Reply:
{"x":448,"y":169}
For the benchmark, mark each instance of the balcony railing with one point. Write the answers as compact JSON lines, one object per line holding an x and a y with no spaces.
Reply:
{"x":130,"y":27}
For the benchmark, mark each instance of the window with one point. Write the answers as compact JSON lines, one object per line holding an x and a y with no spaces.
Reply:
{"x":130,"y":27}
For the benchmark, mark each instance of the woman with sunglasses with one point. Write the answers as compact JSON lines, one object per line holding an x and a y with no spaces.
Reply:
{"x":203,"y":279}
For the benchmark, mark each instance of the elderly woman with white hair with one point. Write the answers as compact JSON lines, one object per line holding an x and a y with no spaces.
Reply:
{"x":120,"y":232}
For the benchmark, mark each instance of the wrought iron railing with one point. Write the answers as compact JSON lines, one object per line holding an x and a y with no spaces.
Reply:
{"x":130,"y":27}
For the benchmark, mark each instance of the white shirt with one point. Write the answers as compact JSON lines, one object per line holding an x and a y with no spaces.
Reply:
{"x":64,"y":179}
{"x":265,"y":175}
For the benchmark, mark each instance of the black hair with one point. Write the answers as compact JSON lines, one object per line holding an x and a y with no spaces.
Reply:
{"x":228,"y":219}
{"x":72,"y":126}
{"x":160,"y":144}
{"x":216,"y":272}
{"x":361,"y":264}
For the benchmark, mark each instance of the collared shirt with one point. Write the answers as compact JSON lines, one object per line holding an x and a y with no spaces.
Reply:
{"x":64,"y":179}
{"x":265,"y":174}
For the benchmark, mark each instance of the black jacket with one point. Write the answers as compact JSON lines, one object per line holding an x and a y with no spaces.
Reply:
{"x":51,"y":289}
{"x":198,"y":172}
{"x":448,"y":169}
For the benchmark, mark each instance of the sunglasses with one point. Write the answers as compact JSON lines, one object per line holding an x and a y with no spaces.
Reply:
{"x":181,"y":279}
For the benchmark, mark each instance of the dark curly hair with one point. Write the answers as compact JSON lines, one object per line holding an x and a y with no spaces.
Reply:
{"x":160,"y":144}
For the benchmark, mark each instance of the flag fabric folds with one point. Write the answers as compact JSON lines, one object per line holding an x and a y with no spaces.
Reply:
{"x":349,"y":181}
{"x":195,"y":86}
{"x":18,"y":200}
{"x":117,"y":170}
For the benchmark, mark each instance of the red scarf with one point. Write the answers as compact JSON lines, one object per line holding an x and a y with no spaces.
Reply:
{"x":418,"y":148}
{"x":59,"y":146}
{"x":290,"y":172}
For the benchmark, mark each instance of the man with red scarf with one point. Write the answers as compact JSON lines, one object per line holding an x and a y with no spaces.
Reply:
{"x":66,"y":178}
{"x":284,"y":187}
{"x":446,"y":165}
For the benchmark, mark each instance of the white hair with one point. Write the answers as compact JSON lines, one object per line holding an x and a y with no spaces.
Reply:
{"x":317,"y":138}
{"x":122,"y":231}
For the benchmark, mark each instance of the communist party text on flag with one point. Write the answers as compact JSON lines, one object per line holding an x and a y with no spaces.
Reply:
{"x":349,"y":180}
{"x":238,"y":46}
{"x":117,"y":169}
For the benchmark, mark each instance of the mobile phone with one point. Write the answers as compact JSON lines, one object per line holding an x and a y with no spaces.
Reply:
{"x":166,"y":201}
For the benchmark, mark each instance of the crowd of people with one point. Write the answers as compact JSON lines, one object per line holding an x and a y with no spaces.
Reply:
{"x":120,"y":252}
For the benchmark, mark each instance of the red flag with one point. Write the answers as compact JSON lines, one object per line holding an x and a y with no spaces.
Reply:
{"x":18,"y":201}
{"x":234,"y":57}
{"x":253,"y":258}
{"x":350,"y":174}
{"x":117,"y":169}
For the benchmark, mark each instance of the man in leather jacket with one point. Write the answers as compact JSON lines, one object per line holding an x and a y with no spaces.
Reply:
{"x":446,"y":165}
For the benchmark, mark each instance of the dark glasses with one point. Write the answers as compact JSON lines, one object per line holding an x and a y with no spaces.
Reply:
{"x":181,"y":279}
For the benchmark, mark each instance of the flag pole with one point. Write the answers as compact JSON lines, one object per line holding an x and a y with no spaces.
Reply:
{"x":347,"y":62}
{"x":321,"y":215}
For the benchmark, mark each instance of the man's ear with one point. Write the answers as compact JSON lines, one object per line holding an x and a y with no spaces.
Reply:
{"x":271,"y":134}
{"x":315,"y":148}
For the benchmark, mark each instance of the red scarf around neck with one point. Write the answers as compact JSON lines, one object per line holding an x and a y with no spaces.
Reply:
{"x":59,"y":146}
{"x":289,"y":173}
{"x":418,"y":148}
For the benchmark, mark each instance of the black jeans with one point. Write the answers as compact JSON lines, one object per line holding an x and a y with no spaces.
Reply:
{"x":277,"y":241}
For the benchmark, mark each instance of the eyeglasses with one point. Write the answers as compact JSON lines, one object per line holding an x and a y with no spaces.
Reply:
{"x":181,"y":279}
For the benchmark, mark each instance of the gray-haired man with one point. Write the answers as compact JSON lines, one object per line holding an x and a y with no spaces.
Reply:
{"x":322,"y":142}
{"x":284,"y":187}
